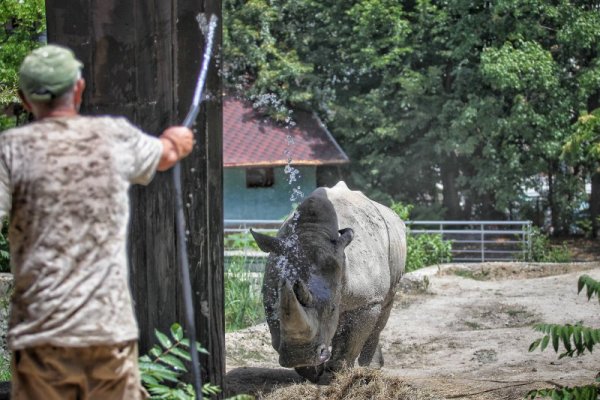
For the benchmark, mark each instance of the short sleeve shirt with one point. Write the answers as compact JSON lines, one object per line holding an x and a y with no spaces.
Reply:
{"x":64,"y":183}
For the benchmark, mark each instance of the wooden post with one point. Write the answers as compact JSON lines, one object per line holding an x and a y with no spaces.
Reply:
{"x":141,"y":61}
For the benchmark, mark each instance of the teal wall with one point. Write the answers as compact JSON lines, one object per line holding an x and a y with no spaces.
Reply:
{"x":263,"y":203}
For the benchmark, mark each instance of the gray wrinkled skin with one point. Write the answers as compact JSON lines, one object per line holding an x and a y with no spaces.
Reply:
{"x":330,"y":280}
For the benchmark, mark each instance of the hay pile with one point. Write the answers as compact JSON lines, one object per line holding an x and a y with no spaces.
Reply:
{"x":352,"y":384}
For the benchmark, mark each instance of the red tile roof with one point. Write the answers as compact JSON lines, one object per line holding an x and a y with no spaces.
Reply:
{"x":250,"y":139}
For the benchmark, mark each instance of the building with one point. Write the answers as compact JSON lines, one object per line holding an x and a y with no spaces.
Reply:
{"x":268,"y":166}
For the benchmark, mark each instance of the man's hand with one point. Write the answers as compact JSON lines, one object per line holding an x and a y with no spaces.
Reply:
{"x":178,"y":142}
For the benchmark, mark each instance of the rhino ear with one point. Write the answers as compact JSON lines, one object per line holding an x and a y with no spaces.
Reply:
{"x":346,"y":236}
{"x":266,"y":243}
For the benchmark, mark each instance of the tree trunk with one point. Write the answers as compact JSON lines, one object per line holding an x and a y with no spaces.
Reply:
{"x":141,"y":60}
{"x":554,"y":224}
{"x":595,"y":204}
{"x":451,"y":199}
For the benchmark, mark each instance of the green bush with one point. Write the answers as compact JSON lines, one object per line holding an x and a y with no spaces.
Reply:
{"x":423,"y":250}
{"x":243,"y":300}
{"x":576,"y":340}
{"x":4,"y":249}
{"x":162,"y":368}
{"x":543,"y":251}
{"x":240,"y":241}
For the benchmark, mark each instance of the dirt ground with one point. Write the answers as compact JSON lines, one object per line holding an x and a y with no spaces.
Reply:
{"x":457,"y":332}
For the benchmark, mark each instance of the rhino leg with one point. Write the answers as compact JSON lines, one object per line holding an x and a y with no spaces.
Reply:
{"x":371,"y":354}
{"x":354,"y":330}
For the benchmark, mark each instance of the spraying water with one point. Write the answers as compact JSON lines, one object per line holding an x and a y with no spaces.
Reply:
{"x":182,"y":232}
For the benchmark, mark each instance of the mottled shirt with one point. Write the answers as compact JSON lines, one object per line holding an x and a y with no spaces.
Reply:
{"x":64,"y":184}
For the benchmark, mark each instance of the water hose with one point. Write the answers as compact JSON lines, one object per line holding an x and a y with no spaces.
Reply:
{"x":180,"y":219}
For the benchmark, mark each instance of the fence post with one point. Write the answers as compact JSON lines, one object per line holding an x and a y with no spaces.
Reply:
{"x":482,"y":244}
{"x":529,"y":242}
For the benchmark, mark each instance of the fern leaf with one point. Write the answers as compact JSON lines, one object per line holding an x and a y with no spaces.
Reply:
{"x":177,"y":332}
{"x":535,"y":344}
{"x":589,"y":392}
{"x":545,"y":342}
{"x":588,"y":340}
{"x":555,"y":334}
{"x":181,"y":353}
{"x":163,"y":339}
{"x":592,"y":286}
{"x":578,"y":339}
{"x":173,"y":362}
{"x":209,"y":389}
{"x":155,"y":351}
{"x":565,"y":335}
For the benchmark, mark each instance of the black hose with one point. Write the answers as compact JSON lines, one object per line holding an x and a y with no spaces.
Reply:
{"x":180,"y":219}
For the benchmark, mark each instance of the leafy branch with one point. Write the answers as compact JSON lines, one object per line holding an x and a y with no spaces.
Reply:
{"x":575,"y":339}
{"x":580,"y":393}
{"x":592,"y":286}
{"x":162,"y":367}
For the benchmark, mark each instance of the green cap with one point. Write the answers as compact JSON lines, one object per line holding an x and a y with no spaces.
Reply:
{"x":48,"y":72}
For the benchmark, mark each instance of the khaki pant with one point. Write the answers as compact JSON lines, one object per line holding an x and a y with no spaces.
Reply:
{"x":70,"y":373}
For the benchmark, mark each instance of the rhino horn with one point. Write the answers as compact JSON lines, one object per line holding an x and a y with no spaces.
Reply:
{"x":295,"y":321}
{"x":303,"y":293}
{"x":268,"y":244}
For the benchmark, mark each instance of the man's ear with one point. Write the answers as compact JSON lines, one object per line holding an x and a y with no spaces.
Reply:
{"x":25,"y":102}
{"x":268,"y":244}
{"x":78,"y":93}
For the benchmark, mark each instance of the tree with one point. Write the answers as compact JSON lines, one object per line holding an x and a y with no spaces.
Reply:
{"x":582,"y":149}
{"x":454,"y":106}
{"x":22,"y":25}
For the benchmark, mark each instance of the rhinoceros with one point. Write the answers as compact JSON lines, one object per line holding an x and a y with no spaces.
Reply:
{"x":330,"y":280}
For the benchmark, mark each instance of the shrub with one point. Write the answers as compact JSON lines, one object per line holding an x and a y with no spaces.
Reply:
{"x":243,"y":301}
{"x":422,"y":250}
{"x":240,"y":241}
{"x":543,"y":251}
{"x":576,"y":340}
{"x":161,"y":369}
{"x":4,"y":249}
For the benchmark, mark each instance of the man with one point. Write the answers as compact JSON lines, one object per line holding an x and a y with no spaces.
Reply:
{"x":64,"y":181}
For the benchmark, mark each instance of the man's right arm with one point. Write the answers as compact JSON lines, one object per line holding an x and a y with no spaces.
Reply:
{"x":178,"y":142}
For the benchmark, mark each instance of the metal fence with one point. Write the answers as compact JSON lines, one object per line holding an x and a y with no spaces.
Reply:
{"x":479,"y":241}
{"x":472,"y":241}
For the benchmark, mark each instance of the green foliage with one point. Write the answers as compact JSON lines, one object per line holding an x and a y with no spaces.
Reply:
{"x":479,"y":97}
{"x":240,"y":241}
{"x":5,"y":373}
{"x":576,"y":340}
{"x":243,"y":302}
{"x":22,"y":23}
{"x":162,"y":367}
{"x":403,"y":210}
{"x":423,"y":250}
{"x":543,"y":251}
{"x":4,"y":248}
{"x":583,"y":146}
{"x":577,"y":393}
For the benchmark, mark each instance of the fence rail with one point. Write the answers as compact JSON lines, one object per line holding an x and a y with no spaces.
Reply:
{"x":472,"y":241}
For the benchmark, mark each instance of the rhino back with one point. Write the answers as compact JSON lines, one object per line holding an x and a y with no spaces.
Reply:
{"x":375,"y":258}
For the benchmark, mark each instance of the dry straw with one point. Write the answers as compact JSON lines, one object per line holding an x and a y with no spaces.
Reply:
{"x":352,"y":384}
